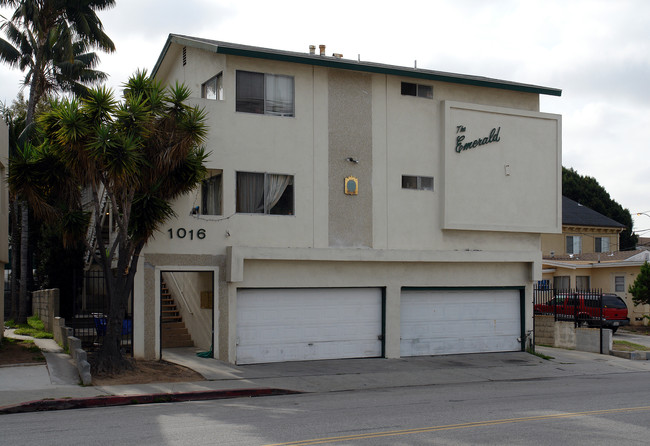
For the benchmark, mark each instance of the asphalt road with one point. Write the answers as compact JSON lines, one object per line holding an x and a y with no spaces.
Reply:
{"x":604,"y":409}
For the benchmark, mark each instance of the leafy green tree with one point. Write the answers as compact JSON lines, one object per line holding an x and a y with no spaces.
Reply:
{"x":138,"y":154}
{"x":49,"y":40}
{"x":588,"y":192}
{"x":640,"y":289}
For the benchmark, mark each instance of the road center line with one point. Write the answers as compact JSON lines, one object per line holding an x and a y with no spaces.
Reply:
{"x":458,"y":426}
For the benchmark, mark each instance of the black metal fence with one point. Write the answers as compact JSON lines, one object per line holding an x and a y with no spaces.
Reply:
{"x":90,"y":310}
{"x":583,"y":307}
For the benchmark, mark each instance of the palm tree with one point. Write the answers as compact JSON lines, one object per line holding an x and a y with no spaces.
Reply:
{"x":49,"y":40}
{"x":142,"y":152}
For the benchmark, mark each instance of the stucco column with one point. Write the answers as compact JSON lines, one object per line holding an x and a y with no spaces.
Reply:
{"x":392,"y":336}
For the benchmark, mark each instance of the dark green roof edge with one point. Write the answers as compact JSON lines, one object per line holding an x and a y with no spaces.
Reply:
{"x":347,"y":64}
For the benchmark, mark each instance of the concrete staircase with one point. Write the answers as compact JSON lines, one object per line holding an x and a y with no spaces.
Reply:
{"x":172,"y":328}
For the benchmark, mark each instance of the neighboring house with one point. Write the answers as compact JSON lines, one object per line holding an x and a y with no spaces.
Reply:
{"x":586,"y":256}
{"x":4,"y":214}
{"x":352,"y":209}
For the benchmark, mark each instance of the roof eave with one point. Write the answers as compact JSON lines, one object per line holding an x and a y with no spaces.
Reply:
{"x":347,"y":64}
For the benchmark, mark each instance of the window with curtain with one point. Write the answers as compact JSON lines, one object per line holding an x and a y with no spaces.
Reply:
{"x":211,"y":195}
{"x":561,"y":283}
{"x":264,"y":193}
{"x":583,"y":282}
{"x":602,"y":244}
{"x":574,"y":244}
{"x":262,"y":93}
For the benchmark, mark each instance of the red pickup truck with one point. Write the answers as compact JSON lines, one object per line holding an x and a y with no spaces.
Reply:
{"x":588,"y":312}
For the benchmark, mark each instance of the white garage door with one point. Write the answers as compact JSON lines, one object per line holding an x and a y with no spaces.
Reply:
{"x":305,"y":324}
{"x":436,"y":322}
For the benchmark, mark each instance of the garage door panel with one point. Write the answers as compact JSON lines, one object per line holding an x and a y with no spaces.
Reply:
{"x":304,"y":324}
{"x":436,"y":322}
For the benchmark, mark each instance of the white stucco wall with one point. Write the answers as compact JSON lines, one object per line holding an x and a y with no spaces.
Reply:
{"x":478,"y":228}
{"x":410,"y":136}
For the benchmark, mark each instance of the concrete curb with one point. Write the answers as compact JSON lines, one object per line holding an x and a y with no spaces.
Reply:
{"x":123,"y":400}
{"x":634,"y":355}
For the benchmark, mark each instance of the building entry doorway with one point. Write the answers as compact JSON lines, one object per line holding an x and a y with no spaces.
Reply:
{"x":187,"y":310}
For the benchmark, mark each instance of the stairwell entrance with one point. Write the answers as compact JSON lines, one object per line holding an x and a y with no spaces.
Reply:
{"x":187,"y":310}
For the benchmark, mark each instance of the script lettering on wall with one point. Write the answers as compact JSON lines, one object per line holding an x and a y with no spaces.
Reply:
{"x":461,"y":145}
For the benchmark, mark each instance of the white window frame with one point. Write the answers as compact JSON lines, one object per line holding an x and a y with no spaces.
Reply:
{"x":267,"y":210}
{"x":268,"y":96}
{"x":215,"y":180}
{"x":421,"y":91}
{"x":601,"y":244}
{"x":417,"y":182}
{"x":574,"y":244}
{"x":619,"y":284}
{"x":216,"y":83}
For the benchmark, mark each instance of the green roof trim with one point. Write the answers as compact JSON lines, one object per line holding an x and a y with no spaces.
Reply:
{"x":347,"y":64}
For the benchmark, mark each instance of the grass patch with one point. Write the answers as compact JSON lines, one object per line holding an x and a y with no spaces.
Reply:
{"x":539,"y":355}
{"x":630,"y":346}
{"x":34,"y":328}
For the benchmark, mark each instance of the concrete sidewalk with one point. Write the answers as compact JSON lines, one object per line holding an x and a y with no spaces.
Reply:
{"x":30,"y":388}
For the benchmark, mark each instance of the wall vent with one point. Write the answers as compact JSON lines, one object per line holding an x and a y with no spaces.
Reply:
{"x":184,"y":56}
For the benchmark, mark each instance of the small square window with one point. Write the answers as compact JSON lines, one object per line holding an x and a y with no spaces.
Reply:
{"x":619,"y":284}
{"x":421,"y":91}
{"x":426,"y":183}
{"x":409,"y":89}
{"x":409,"y":182}
{"x":425,"y":91}
{"x":417,"y":182}
{"x":213,"y":88}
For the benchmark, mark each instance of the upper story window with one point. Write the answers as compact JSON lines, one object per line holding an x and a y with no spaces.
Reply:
{"x":421,"y":91}
{"x":211,"y":195}
{"x":619,"y":284}
{"x":268,"y":94}
{"x":213,"y":88}
{"x":417,"y":182}
{"x":602,"y":244}
{"x":264,"y":193}
{"x":574,"y":244}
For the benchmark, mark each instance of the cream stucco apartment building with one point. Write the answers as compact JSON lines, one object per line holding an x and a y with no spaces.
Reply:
{"x":353,"y":209}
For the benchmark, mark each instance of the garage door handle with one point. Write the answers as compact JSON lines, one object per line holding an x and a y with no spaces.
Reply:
{"x":380,"y":337}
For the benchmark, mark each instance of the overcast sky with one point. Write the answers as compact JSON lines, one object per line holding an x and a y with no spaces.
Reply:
{"x":597,"y":52}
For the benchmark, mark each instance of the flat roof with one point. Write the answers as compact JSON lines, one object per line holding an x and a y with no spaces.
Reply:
{"x":346,"y":64}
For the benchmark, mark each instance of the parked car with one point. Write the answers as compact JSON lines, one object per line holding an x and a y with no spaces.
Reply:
{"x":588,"y":312}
